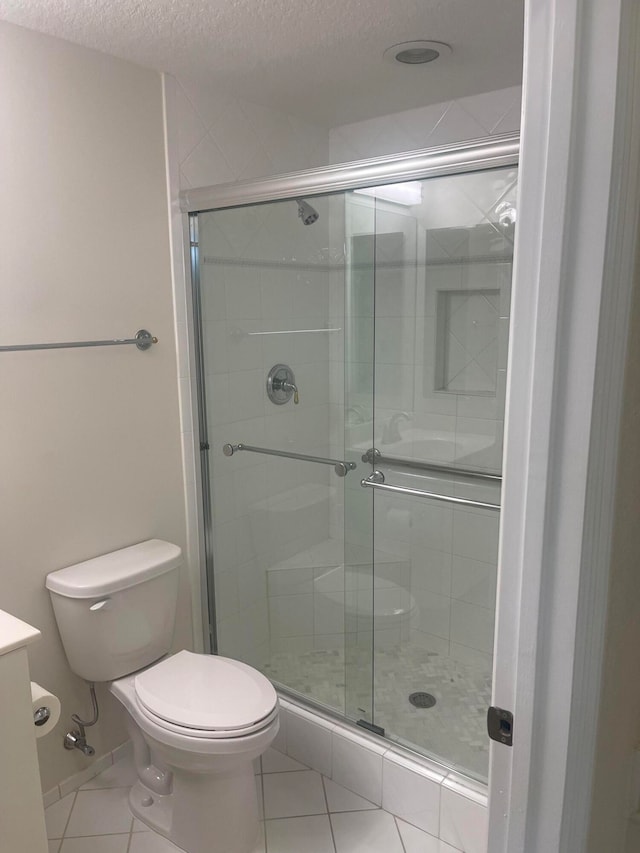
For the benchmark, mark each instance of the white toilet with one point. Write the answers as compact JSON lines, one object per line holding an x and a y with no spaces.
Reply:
{"x":197,"y":721}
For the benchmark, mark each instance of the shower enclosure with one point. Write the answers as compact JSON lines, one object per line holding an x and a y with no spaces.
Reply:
{"x":352,"y":392}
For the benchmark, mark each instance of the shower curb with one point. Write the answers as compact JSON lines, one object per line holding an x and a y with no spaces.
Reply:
{"x":431,"y":796}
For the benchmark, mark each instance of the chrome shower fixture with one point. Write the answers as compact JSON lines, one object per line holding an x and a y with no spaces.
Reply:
{"x":307,"y":213}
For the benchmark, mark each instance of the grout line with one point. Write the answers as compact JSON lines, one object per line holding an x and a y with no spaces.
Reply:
{"x":395,"y":820}
{"x":130,"y":832}
{"x":79,"y":837}
{"x":264,"y":817}
{"x":326,"y":801}
{"x":66,"y":825}
{"x":296,"y":816}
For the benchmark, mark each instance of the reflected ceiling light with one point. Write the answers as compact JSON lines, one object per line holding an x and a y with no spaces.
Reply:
{"x":408,"y":193}
{"x":416,"y":52}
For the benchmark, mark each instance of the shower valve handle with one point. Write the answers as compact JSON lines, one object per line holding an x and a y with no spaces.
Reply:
{"x":291,"y":386}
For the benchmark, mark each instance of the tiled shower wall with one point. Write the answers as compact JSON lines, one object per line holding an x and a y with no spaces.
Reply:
{"x":475,"y":117}
{"x":213,"y":139}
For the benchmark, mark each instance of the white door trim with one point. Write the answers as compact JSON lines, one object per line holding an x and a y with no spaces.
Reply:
{"x":572,"y":283}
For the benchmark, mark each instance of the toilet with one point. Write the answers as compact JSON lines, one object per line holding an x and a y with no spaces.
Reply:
{"x":197,"y":722}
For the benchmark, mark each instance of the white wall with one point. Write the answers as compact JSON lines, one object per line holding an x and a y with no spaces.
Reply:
{"x":89,"y":438}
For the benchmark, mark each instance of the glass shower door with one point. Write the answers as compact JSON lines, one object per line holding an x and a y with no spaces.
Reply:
{"x":368,"y":346}
{"x":284,"y":364}
{"x":442,"y":251}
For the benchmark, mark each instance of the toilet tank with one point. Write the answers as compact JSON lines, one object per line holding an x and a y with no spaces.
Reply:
{"x":116,"y":612}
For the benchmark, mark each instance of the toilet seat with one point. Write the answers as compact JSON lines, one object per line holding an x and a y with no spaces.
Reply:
{"x":205,"y":696}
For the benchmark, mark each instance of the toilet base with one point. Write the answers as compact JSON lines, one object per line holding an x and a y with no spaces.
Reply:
{"x":151,"y":808}
{"x":206,"y":813}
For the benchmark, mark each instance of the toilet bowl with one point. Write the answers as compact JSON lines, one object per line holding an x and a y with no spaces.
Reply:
{"x":197,"y":722}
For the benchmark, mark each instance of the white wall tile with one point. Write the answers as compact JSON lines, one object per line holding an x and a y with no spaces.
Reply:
{"x":412,"y":793}
{"x":430,"y":570}
{"x":280,"y":740}
{"x":472,"y":626}
{"x":291,"y":615}
{"x":463,"y":821}
{"x":475,"y":536}
{"x":339,"y":799}
{"x":277,"y":762}
{"x":490,"y":108}
{"x":474,"y":582}
{"x":51,"y":797}
{"x":432,"y":614}
{"x":309,"y":740}
{"x":328,"y":613}
{"x":481,"y":662}
{"x":357,"y":765}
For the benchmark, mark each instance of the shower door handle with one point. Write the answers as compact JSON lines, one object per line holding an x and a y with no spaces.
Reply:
{"x":376,"y":481}
{"x":341,"y":467}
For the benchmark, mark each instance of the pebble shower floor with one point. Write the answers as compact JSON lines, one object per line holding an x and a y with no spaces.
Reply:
{"x":454,"y":729}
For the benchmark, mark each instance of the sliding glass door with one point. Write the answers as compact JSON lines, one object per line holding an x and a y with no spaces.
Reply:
{"x":352,"y":377}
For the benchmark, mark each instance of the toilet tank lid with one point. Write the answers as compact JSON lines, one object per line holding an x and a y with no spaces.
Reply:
{"x":115,"y":571}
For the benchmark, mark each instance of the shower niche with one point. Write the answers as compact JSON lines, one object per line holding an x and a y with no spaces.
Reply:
{"x":466,"y":343}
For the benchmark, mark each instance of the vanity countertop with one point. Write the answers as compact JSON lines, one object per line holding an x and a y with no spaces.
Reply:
{"x":14,"y":633}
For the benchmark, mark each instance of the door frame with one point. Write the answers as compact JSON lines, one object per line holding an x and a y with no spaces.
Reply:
{"x":573,"y":271}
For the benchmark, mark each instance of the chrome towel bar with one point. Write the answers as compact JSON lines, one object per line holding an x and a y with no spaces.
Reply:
{"x":143,"y":340}
{"x":374,"y":457}
{"x":376,"y":481}
{"x":341,"y":468}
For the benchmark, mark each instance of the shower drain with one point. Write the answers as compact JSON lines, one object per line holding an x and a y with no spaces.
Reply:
{"x":422,"y":700}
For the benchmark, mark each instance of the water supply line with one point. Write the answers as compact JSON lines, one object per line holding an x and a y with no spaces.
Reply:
{"x":76,"y":739}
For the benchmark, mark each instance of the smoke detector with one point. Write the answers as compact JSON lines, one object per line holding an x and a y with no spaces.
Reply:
{"x":417,"y":52}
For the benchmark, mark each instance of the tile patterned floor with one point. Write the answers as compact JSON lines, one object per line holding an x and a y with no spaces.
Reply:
{"x":304,"y":813}
{"x":454,"y":729}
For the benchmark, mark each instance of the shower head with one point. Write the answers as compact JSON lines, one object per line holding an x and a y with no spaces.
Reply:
{"x":307,"y":213}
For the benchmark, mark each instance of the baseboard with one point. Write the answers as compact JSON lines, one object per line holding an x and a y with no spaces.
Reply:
{"x":73,"y":782}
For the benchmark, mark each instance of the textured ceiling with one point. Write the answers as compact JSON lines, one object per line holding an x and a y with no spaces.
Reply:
{"x":318,"y":59}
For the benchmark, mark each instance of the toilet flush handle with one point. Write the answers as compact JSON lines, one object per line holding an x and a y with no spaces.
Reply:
{"x":100,"y":605}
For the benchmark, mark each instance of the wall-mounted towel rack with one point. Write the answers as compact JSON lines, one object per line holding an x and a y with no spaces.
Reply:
{"x":143,"y":340}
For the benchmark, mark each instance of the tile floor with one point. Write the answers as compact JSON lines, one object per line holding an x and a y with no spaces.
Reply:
{"x":304,"y":812}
